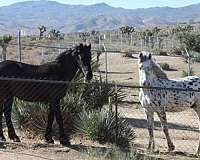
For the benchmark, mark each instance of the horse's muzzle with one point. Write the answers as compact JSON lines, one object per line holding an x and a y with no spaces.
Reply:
{"x":89,"y":76}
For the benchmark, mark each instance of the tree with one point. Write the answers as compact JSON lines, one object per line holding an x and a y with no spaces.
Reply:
{"x":84,"y":36}
{"x":190,"y":41}
{"x":4,"y":41}
{"x":56,"y":34}
{"x":127,"y":30}
{"x":42,"y":29}
{"x":95,"y":36}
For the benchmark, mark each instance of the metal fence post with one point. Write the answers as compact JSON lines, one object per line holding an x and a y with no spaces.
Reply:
{"x":116,"y":113}
{"x":19,"y":46}
{"x":110,"y":104}
{"x":106,"y":62}
{"x":189,"y":63}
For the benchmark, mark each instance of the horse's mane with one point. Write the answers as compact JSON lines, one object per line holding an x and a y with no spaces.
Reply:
{"x":62,"y":55}
{"x":158,"y":71}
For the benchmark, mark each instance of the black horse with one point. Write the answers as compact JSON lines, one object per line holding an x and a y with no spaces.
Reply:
{"x":63,"y":68}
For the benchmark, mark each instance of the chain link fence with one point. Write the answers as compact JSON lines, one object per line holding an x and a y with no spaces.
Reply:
{"x":183,"y":126}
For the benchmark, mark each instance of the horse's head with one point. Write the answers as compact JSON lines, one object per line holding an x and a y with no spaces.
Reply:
{"x":148,"y":67}
{"x":82,"y":54}
{"x":144,"y":61}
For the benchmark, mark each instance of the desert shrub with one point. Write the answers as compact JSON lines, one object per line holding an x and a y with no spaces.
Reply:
{"x":32,"y":117}
{"x":96,"y":95}
{"x":127,"y":53}
{"x":176,"y":51}
{"x":163,"y":53}
{"x":101,"y":126}
{"x":195,"y":57}
{"x":115,"y":153}
{"x":186,"y":72}
{"x":191,"y":41}
{"x":164,"y":66}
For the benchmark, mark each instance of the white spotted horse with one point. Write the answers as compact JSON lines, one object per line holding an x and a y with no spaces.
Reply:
{"x":161,"y":101}
{"x":63,"y":68}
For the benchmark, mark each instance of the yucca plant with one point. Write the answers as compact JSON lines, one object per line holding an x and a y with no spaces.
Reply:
{"x":32,"y":117}
{"x":187,"y":73}
{"x":101,"y":126}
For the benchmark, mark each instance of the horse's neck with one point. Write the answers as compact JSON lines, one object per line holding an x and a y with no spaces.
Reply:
{"x":146,"y":76}
{"x":68,"y":69}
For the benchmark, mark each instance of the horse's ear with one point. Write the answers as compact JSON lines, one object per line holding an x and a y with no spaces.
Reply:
{"x":89,"y":46}
{"x":150,"y":56}
{"x":140,"y":55}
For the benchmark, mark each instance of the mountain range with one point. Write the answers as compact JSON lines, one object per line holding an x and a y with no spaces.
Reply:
{"x":29,"y":15}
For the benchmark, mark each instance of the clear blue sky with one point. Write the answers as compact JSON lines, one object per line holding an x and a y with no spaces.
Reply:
{"x":121,"y":3}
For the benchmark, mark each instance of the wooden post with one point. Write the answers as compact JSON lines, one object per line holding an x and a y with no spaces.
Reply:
{"x":19,"y":46}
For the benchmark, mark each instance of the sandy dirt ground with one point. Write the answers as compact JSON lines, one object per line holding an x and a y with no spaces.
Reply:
{"x":183,"y":126}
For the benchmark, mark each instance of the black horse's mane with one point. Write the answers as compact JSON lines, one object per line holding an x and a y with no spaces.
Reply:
{"x":62,"y":55}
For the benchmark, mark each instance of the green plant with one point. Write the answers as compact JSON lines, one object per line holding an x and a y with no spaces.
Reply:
{"x":190,"y":41}
{"x":101,"y":126}
{"x":115,"y":153}
{"x":186,"y":73}
{"x":4,"y":41}
{"x":42,"y":29}
{"x":164,"y":66}
{"x":195,"y":57}
{"x":32,"y":117}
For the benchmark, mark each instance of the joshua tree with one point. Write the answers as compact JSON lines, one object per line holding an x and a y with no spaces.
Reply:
{"x":95,"y":36}
{"x":4,"y":40}
{"x":55,"y":34}
{"x":127,"y":30}
{"x":84,"y":36}
{"x":42,"y":29}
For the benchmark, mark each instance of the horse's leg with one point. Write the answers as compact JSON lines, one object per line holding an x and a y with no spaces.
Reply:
{"x":64,"y":139}
{"x":163,"y":120}
{"x":2,"y":138}
{"x":7,"y":110}
{"x":48,"y":134}
{"x":150,"y":121}
{"x":197,"y":110}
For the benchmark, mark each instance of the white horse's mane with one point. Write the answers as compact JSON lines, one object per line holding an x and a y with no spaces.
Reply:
{"x":158,"y":71}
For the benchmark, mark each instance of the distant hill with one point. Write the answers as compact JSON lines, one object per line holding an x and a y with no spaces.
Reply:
{"x":75,"y":18}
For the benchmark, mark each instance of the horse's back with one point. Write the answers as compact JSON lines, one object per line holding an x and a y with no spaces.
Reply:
{"x":26,"y":89}
{"x":9,"y":68}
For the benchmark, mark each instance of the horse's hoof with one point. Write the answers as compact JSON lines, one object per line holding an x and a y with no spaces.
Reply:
{"x":171,"y":148}
{"x":2,"y":138}
{"x":15,"y":139}
{"x":50,"y":141}
{"x":65,"y":142}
